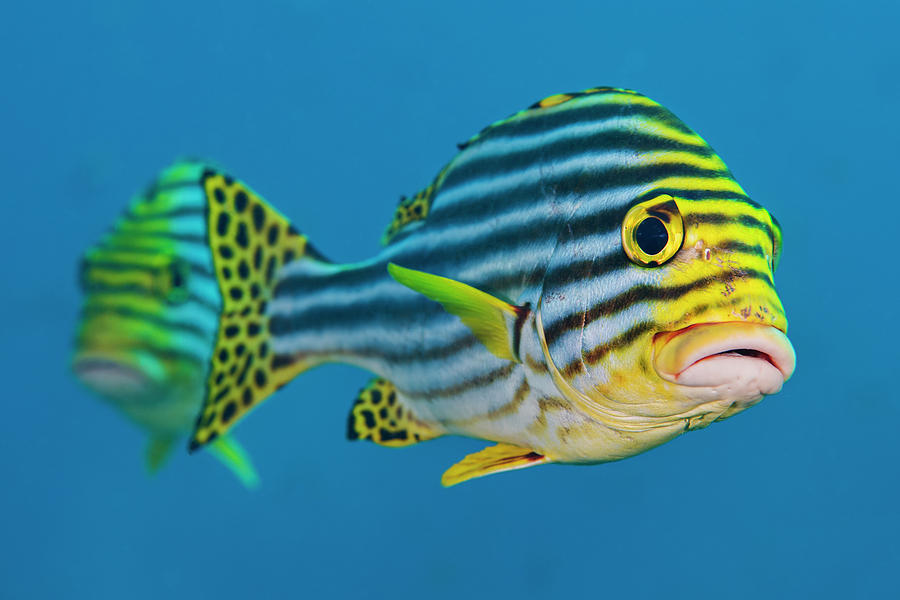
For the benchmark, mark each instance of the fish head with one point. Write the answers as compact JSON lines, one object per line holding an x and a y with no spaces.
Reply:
{"x":715,"y":342}
{"x":149,"y":315}
{"x":687,"y":327}
{"x":659,"y":307}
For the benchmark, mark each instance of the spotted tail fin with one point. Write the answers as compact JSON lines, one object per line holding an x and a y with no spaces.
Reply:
{"x":250,"y":241}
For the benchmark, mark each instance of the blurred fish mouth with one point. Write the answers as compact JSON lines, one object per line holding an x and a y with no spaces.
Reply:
{"x":749,"y":359}
{"x":110,"y":377}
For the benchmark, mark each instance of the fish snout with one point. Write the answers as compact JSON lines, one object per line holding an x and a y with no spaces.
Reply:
{"x":745,"y":360}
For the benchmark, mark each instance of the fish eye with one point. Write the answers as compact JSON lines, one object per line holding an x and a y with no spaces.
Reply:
{"x":174,"y":281}
{"x":653,"y":231}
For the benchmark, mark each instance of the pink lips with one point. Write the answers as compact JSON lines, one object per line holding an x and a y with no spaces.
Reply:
{"x":725,"y":354}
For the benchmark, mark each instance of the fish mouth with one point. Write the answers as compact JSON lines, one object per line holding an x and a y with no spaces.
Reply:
{"x":748,"y":358}
{"x":111,"y":378}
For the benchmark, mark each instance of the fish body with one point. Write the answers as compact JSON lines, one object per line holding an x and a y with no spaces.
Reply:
{"x":150,"y":316}
{"x":584,"y":281}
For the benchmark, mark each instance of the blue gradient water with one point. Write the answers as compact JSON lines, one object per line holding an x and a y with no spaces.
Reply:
{"x":333,"y":110}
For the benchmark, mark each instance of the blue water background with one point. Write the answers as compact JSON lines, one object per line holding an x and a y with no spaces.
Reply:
{"x":332,"y":110}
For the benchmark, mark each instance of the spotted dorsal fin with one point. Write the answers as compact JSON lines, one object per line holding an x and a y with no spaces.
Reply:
{"x":379,"y":415}
{"x":493,"y":459}
{"x":497,"y":324}
{"x":412,"y":210}
{"x":250,"y":241}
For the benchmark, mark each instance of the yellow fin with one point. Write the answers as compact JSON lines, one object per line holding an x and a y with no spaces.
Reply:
{"x":378,"y":415}
{"x":412,"y":210}
{"x":158,"y":450}
{"x":231,"y":454}
{"x":493,"y":459}
{"x":494,"y":322}
{"x":250,"y":242}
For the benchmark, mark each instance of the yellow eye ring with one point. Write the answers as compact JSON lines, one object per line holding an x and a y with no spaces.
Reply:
{"x":653,"y":231}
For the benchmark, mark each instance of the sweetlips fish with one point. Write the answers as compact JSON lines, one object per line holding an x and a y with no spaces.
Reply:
{"x":584,"y":281}
{"x":149,"y":322}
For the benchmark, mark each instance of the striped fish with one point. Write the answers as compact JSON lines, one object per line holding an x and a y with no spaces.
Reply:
{"x":150,"y":318}
{"x":584,"y":281}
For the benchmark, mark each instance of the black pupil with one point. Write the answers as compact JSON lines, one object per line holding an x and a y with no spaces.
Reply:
{"x":651,"y":236}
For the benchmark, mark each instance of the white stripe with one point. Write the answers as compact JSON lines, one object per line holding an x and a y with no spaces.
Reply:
{"x":505,"y":184}
{"x":503,"y":145}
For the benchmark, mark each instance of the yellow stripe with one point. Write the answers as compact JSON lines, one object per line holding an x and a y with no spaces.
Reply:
{"x":669,"y":157}
{"x":717,"y":184}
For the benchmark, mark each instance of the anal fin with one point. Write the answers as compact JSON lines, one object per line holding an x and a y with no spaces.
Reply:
{"x":380,"y":417}
{"x":231,"y":454}
{"x":493,"y":459}
{"x":158,"y":450}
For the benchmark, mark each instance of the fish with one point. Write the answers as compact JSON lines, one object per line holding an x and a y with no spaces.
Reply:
{"x":149,"y":318}
{"x":584,"y":281}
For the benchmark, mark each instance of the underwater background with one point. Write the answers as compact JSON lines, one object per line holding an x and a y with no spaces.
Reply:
{"x":331,"y":111}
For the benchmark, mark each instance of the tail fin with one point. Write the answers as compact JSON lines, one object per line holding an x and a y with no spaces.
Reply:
{"x":250,"y":241}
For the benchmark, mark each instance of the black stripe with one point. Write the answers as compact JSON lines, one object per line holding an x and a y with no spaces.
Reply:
{"x":641,"y":293}
{"x":741,"y":247}
{"x":694,"y":219}
{"x":164,"y":235}
{"x":184,"y":211}
{"x":563,"y":150}
{"x":136,"y":290}
{"x":460,"y":388}
{"x":391,"y":354}
{"x":595,"y":354}
{"x":158,"y":187}
{"x":122,"y":267}
{"x":90,"y":311}
{"x":537,"y":122}
{"x":589,"y":185}
{"x":161,"y":353}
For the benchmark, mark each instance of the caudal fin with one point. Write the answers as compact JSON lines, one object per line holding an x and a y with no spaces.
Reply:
{"x":250,"y":241}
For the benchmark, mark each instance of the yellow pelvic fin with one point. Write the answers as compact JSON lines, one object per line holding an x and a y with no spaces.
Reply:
{"x":250,"y":241}
{"x":494,"y":322}
{"x":158,"y":450}
{"x":493,"y":459}
{"x":231,"y":454}
{"x":379,"y":416}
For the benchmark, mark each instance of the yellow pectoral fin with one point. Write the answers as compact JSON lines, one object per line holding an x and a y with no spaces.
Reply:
{"x":493,"y":459}
{"x":492,"y":320}
{"x":231,"y":454}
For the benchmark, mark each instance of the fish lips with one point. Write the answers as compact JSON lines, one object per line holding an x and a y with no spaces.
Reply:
{"x":112,"y":378}
{"x":744,"y":360}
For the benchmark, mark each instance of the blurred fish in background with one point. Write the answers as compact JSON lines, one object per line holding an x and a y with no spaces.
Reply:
{"x":148,"y":320}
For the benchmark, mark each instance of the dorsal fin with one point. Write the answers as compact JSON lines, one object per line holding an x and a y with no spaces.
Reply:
{"x":412,"y":210}
{"x":250,"y":241}
{"x":378,"y":415}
